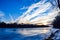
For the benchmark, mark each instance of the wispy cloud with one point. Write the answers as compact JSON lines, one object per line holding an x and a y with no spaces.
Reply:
{"x":45,"y":13}
{"x":30,"y":9}
{"x":1,"y":13}
{"x":23,"y":8}
{"x":12,"y":19}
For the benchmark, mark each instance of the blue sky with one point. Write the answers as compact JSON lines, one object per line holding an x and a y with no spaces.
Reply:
{"x":29,"y":10}
{"x":13,"y":8}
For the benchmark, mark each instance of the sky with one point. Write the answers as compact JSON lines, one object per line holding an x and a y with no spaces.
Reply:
{"x":13,"y":8}
{"x":29,"y":10}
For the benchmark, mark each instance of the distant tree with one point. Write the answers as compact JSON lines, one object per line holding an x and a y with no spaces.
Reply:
{"x":56,"y":23}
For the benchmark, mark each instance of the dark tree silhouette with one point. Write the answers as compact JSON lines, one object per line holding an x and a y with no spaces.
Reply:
{"x":58,"y":3}
{"x":56,"y":23}
{"x":14,"y":25}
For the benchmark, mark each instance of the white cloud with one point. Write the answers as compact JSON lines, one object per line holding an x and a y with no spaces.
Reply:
{"x":42,"y":7}
{"x":11,"y":19}
{"x":1,"y":13}
{"x":23,"y":8}
{"x":31,"y":7}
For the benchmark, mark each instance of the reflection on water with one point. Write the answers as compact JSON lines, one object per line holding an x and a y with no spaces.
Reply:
{"x":21,"y":34}
{"x":29,"y":33}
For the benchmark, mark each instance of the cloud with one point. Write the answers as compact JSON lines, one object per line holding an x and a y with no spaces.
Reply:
{"x":2,"y":16}
{"x":30,"y":8}
{"x":23,"y":8}
{"x":11,"y":19}
{"x":1,"y":13}
{"x":41,"y":9}
{"x":41,"y":12}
